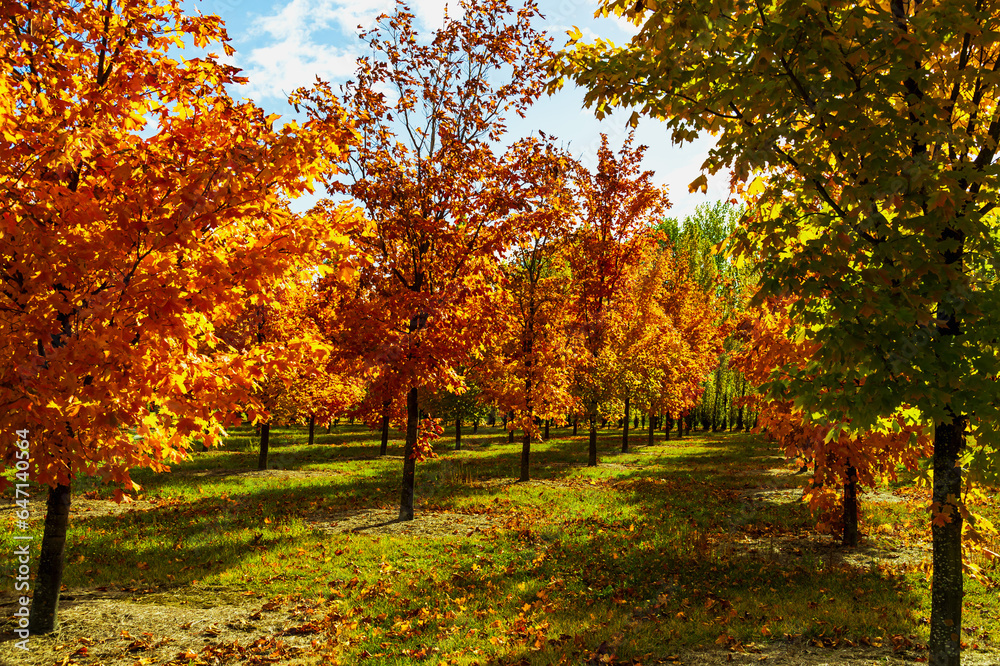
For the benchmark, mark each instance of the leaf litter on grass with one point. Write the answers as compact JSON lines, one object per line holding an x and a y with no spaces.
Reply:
{"x":650,"y":561}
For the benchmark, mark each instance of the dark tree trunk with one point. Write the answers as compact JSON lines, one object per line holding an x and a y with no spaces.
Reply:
{"x":545,"y":433}
{"x":576,"y":422}
{"x":475,"y":425}
{"x":680,"y":427}
{"x":409,"y":456}
{"x":312,"y":429}
{"x":743,"y":394}
{"x":625,"y":428}
{"x":668,"y":425}
{"x":265,"y":438}
{"x":850,"y":538}
{"x":592,"y":456}
{"x":947,"y":584}
{"x":458,"y":434}
{"x":43,"y":617}
{"x":510,"y":428}
{"x":715,"y":403}
{"x":385,"y":429}
{"x":525,"y":455}
{"x":652,"y":428}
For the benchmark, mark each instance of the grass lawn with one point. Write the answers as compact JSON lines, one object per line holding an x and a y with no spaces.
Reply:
{"x":685,"y":547}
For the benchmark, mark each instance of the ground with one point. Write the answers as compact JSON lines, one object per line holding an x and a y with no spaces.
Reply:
{"x":696,"y":552}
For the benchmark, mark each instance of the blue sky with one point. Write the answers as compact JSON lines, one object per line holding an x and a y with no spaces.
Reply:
{"x":284,"y":44}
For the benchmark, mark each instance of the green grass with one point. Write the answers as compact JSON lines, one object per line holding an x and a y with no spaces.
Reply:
{"x":656,"y":551}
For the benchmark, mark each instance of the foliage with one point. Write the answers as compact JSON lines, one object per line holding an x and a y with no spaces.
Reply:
{"x":873,"y":125}
{"x":617,"y":207}
{"x":142,"y":207}
{"x":873,"y":457}
{"x":873,"y":129}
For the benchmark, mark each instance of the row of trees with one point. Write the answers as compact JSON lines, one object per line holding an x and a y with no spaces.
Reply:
{"x":864,"y":137}
{"x":157,"y":288}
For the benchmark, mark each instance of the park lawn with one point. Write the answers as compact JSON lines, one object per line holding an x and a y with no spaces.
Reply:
{"x":698,"y":543}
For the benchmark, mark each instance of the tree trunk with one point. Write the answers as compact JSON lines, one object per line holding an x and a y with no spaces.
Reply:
{"x":545,"y":434}
{"x":510,"y":429}
{"x":43,"y":617}
{"x":458,"y":434}
{"x":625,"y":428}
{"x":680,"y":427}
{"x":592,"y":457}
{"x":265,"y":438}
{"x":715,"y":403}
{"x":475,"y":425}
{"x":947,"y":584}
{"x":850,"y":538}
{"x":312,"y":429}
{"x":409,"y":456}
{"x":385,"y":429}
{"x":576,"y":422}
{"x":743,"y":394}
{"x":652,"y":428}
{"x":525,"y":454}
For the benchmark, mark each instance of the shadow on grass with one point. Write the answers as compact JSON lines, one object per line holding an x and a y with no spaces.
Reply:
{"x":662,"y":558}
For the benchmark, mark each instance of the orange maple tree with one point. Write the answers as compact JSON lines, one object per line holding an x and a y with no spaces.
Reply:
{"x":305,"y":386}
{"x":617,"y":206}
{"x":527,"y":368}
{"x":142,"y":207}
{"x":442,"y":203}
{"x":672,"y":338}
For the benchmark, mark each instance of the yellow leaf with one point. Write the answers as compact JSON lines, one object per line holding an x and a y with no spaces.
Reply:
{"x":699,"y":184}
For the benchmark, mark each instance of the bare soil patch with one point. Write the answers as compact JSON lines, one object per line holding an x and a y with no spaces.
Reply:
{"x":117,"y":630}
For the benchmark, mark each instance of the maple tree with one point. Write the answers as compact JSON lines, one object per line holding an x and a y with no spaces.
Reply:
{"x":142,"y":207}
{"x":875,"y":127}
{"x":305,"y":384}
{"x":528,"y":365}
{"x":440,"y":200}
{"x":641,"y":344}
{"x":689,"y":302}
{"x":617,"y":205}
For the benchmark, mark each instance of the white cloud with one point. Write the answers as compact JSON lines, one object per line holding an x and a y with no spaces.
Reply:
{"x":309,"y":38}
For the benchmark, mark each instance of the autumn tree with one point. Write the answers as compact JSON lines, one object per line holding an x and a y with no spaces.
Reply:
{"x":689,"y":303}
{"x":441,"y":199}
{"x":527,"y":367}
{"x":141,"y":206}
{"x":877,"y":127}
{"x":306,"y":386}
{"x":617,"y":205}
